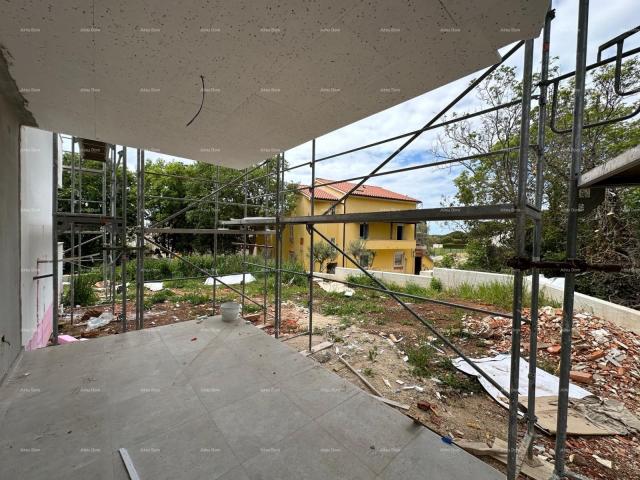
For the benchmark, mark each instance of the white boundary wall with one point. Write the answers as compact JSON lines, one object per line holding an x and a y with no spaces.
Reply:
{"x":624,"y":317}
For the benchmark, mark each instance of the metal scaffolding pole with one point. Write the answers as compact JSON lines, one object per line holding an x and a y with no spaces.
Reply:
{"x":124,"y":253}
{"x":312,"y":194}
{"x":278,"y":247}
{"x":140,"y":242}
{"x":572,"y":236}
{"x":214,"y":267}
{"x":111,"y":161}
{"x":537,"y":234}
{"x":54,"y":237}
{"x":265,"y":250}
{"x":72,"y":271}
{"x":244,"y":245}
{"x":518,"y":277}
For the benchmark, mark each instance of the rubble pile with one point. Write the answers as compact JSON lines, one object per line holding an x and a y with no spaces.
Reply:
{"x":603,"y":356}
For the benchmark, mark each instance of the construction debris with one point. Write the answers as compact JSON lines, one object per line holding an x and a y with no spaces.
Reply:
{"x":498,"y":368}
{"x":100,"y":321}
{"x":335,"y":287}
{"x":232,"y":279}
{"x":362,"y":379}
{"x":393,"y":403}
{"x":317,"y":348}
{"x":540,"y":470}
{"x":154,"y":286}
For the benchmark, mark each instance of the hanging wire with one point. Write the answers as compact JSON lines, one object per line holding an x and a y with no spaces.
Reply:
{"x":201,"y":102}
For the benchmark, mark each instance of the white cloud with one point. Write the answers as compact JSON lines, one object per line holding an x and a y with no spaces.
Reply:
{"x":431,"y":185}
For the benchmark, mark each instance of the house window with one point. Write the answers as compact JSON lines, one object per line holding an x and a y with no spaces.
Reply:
{"x":364,"y":231}
{"x":398,"y":260}
{"x":292,"y":256}
{"x":399,"y":232}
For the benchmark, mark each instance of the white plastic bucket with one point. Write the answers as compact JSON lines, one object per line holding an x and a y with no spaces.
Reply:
{"x":229,"y":311}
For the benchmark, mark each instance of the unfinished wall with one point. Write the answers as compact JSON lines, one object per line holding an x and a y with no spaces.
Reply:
{"x":9,"y":234}
{"x":36,"y":228}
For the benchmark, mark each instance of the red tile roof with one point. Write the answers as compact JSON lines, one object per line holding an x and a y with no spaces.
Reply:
{"x":365,"y":191}
{"x":319,"y":193}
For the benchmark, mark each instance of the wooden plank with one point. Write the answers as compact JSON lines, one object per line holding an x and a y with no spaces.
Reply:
{"x":393,"y":403}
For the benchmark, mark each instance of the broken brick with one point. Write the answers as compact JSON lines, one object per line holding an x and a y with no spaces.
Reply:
{"x":595,"y":355}
{"x":554,"y":349}
{"x":581,"y":377}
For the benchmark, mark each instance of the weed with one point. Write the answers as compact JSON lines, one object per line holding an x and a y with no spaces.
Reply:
{"x":350,"y":307}
{"x":547,"y":365}
{"x":373,"y":353}
{"x":252,"y":308}
{"x":495,"y":293}
{"x":422,"y":359}
{"x":195,"y":298}
{"x":436,"y":284}
{"x":161,"y":296}
{"x":460,"y":382}
{"x":367,"y":371}
{"x":83,"y":291}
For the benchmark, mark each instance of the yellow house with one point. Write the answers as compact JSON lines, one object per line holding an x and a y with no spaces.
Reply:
{"x":393,"y":244}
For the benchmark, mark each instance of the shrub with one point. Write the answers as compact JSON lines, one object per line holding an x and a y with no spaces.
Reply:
{"x":436,"y":284}
{"x":83,"y":291}
{"x":448,"y":261}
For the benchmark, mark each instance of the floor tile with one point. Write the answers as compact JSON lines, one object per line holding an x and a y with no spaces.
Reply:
{"x":310,"y":453}
{"x":373,"y":431}
{"x":255,"y":424}
{"x":427,"y":456}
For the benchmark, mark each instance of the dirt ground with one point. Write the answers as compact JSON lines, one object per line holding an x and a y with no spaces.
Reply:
{"x":452,"y":404}
{"x":159,"y":314}
{"x":467,"y":413}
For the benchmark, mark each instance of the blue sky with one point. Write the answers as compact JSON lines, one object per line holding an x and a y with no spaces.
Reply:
{"x":434,"y":184}
{"x":431,"y":186}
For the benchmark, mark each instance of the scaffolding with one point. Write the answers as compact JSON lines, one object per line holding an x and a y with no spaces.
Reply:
{"x":525,"y":210}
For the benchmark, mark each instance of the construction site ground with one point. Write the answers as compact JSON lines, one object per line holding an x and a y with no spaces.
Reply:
{"x":406,"y":363}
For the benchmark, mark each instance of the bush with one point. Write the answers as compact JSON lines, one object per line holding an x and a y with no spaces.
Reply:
{"x":436,"y":284}
{"x":448,"y":261}
{"x":161,"y":296}
{"x":83,"y":291}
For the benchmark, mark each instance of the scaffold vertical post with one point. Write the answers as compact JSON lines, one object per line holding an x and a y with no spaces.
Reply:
{"x":124,"y":253}
{"x":521,"y":219}
{"x":572,"y":236}
{"x":312,"y":195}
{"x":537,"y":234}
{"x":54,"y":237}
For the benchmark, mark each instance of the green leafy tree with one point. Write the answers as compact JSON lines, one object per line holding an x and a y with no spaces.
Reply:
{"x":324,"y":253}
{"x":358,"y":249}
{"x":609,"y":234}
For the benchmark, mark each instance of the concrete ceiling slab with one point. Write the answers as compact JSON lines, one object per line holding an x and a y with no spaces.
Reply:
{"x":276,"y":74}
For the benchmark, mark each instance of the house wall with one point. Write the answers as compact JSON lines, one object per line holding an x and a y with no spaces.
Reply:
{"x":10,"y":336}
{"x":382,"y":235}
{"x":36,"y":230}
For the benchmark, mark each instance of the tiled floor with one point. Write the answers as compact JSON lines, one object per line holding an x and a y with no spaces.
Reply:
{"x":206,"y":400}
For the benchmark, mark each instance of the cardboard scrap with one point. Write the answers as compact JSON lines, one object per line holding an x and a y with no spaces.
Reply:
{"x":587,"y":416}
{"x":542,"y":471}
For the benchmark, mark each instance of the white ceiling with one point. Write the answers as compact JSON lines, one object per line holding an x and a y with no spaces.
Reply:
{"x":277,"y":73}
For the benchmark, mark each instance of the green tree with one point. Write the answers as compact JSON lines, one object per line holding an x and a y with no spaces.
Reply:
{"x":324,"y":253}
{"x":608,"y":234}
{"x":358,"y":249}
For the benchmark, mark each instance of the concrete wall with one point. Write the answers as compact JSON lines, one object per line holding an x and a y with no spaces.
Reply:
{"x":10,"y":338}
{"x":35,"y":207}
{"x":391,"y":277}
